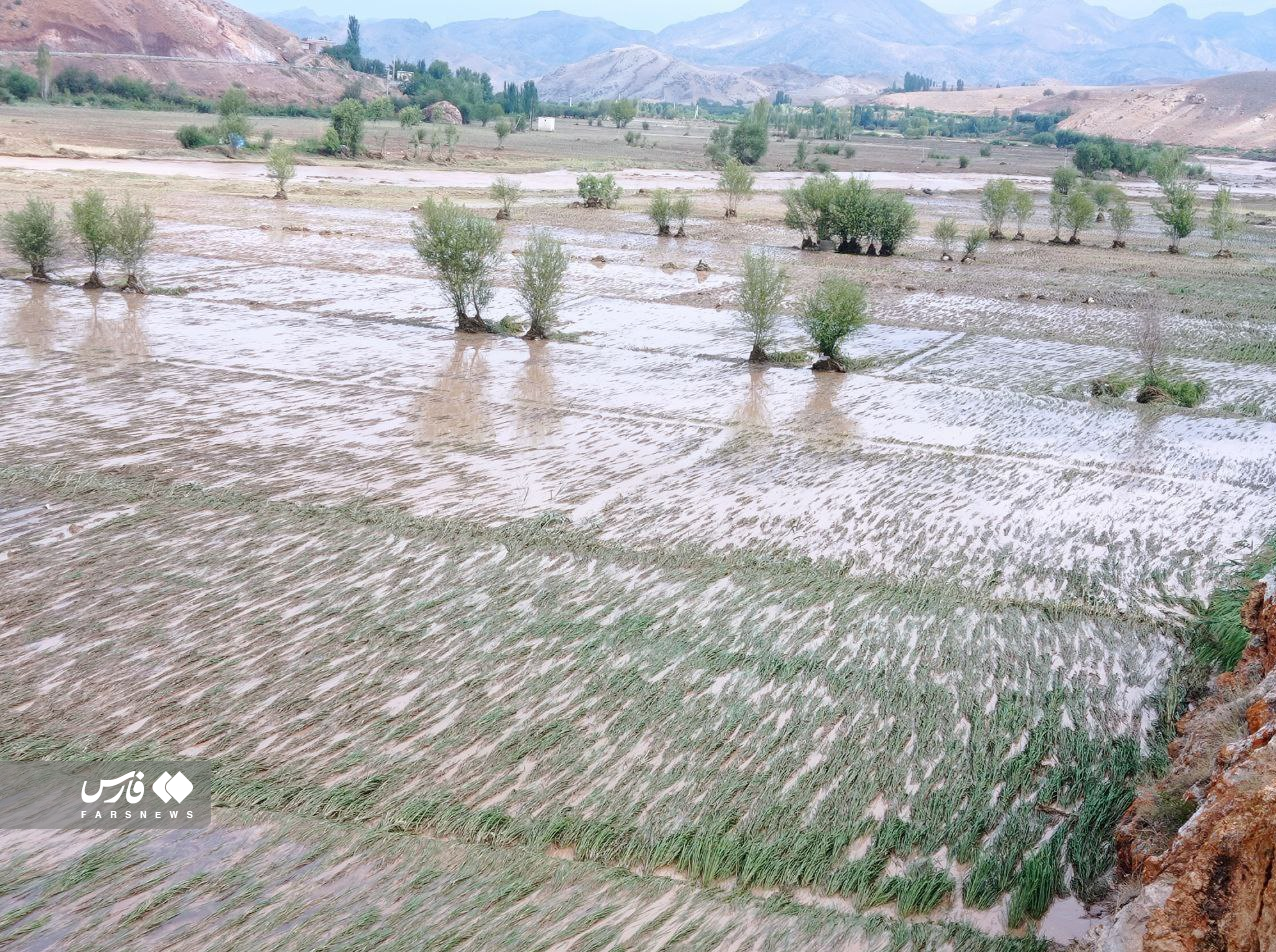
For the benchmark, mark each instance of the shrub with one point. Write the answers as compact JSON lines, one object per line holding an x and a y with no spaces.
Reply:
{"x":506,"y":193}
{"x":1043,"y":138}
{"x":410,"y":117}
{"x":193,"y":137}
{"x":1120,"y":218}
{"x":892,"y":222}
{"x":32,"y":234}
{"x":542,"y":267}
{"x":94,"y":232}
{"x":799,"y":157}
{"x":503,"y":129}
{"x":18,"y":85}
{"x":749,"y":137}
{"x":132,"y":228}
{"x":1064,"y":178}
{"x":736,"y":185}
{"x":660,"y":212}
{"x":974,"y":241}
{"x":598,"y":191}
{"x":829,"y":314}
{"x":1177,"y":211}
{"x":849,"y":151}
{"x":1225,"y":224}
{"x":1113,"y":385}
{"x":963,"y":162}
{"x":1157,"y":386}
{"x":462,"y":249}
{"x":1023,"y":206}
{"x":281,"y":167}
{"x":945,"y":232}
{"x":761,"y":297}
{"x":1078,"y":213}
{"x":985,"y":151}
{"x":623,"y":111}
{"x":995,"y":204}
{"x":347,"y":124}
{"x":680,"y":209}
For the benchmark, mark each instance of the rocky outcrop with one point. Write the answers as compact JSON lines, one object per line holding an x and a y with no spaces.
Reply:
{"x":1210,"y":886}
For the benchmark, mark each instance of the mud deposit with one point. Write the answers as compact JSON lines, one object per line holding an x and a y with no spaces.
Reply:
{"x":612,"y":641}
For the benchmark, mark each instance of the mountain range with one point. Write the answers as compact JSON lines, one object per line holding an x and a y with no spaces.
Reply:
{"x":1015,"y":41}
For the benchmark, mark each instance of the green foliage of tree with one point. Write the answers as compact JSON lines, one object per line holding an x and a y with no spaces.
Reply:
{"x":829,"y":314}
{"x":133,"y":228}
{"x":32,"y":234}
{"x":1120,"y":220}
{"x":347,"y":124}
{"x":762,"y":292}
{"x":945,"y":233}
{"x":542,"y":267}
{"x":463,"y":250}
{"x":1225,"y":223}
{"x":410,"y":117}
{"x":1023,"y":207}
{"x":598,"y":191}
{"x":1064,"y":179}
{"x":749,"y":137}
{"x":506,"y":193}
{"x":995,"y":203}
{"x":892,"y":222}
{"x":736,"y":185}
{"x":974,"y":241}
{"x":623,"y":112}
{"x":1078,"y":213}
{"x":659,"y":210}
{"x":503,"y":129}
{"x":94,"y":232}
{"x":1177,"y":211}
{"x":281,"y":167}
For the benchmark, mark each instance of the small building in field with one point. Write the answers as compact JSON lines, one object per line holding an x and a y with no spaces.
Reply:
{"x":316,"y":44}
{"x":544,"y":123}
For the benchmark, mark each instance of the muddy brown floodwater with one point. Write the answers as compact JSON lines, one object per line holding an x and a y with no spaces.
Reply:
{"x":608,"y":641}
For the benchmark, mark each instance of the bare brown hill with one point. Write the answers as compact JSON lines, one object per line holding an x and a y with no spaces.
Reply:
{"x":203,"y":45}
{"x":1237,"y":110}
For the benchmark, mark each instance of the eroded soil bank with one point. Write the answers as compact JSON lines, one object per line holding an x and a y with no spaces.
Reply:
{"x":1214,"y":886}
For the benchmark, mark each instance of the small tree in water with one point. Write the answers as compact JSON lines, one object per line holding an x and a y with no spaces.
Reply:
{"x":1023,"y":207}
{"x":996,"y":203}
{"x":132,"y":231}
{"x":1225,"y":224}
{"x":945,"y":233}
{"x":680,"y":209}
{"x":1177,"y":211}
{"x":280,"y":168}
{"x":761,"y":297}
{"x":832,"y":311}
{"x":32,"y":234}
{"x":462,"y":249}
{"x":974,"y":241}
{"x":506,"y":193}
{"x":1119,"y":220}
{"x":660,"y":211}
{"x":91,"y":223}
{"x":736,"y":185}
{"x":1078,"y":213}
{"x":542,"y":266}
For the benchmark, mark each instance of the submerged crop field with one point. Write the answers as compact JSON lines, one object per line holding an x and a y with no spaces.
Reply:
{"x":611,"y":641}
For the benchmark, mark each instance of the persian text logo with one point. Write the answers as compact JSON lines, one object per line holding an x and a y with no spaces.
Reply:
{"x":168,"y":787}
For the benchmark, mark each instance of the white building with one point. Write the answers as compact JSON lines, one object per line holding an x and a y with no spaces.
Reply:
{"x":545,"y":124}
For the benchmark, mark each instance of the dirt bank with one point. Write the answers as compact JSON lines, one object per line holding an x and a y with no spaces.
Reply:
{"x":1214,"y":886}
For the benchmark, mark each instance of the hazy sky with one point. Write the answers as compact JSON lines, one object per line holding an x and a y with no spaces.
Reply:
{"x":651,"y":14}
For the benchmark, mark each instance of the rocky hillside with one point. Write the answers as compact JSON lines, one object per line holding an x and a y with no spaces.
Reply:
{"x":204,"y":45}
{"x":640,"y":72}
{"x":1212,"y":884}
{"x":1236,"y":111}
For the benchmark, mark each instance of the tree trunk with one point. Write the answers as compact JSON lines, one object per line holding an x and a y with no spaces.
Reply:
{"x":1020,"y":236}
{"x":758,"y":355}
{"x":281,"y":195}
{"x":94,"y":282}
{"x":535,"y":332}
{"x":730,"y":213}
{"x":682,"y":232}
{"x":1118,"y":243}
{"x":470,"y":325}
{"x":996,"y":234}
{"x":39,"y":273}
{"x":133,"y":285}
{"x":662,"y":231}
{"x":502,"y":214}
{"x":829,"y":363}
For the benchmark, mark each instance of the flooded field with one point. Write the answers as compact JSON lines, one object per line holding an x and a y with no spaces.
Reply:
{"x":611,"y":641}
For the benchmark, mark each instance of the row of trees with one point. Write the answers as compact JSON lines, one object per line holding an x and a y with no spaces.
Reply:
{"x":463,"y":250}
{"x":825,"y":208}
{"x":100,"y":233}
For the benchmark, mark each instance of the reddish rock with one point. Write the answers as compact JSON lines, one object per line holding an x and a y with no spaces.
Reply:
{"x":444,"y":112}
